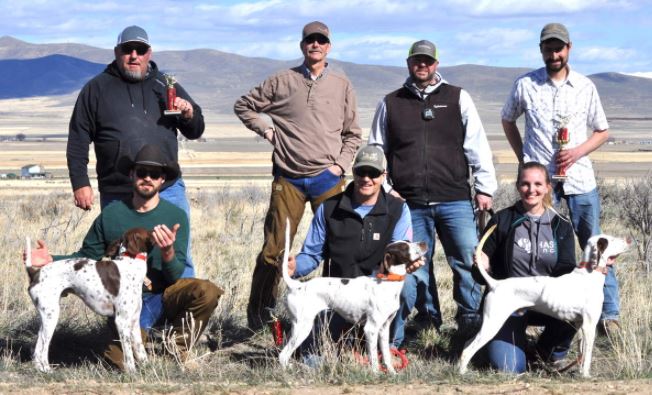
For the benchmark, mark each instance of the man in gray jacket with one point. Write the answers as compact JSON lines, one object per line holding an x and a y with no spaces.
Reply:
{"x":315,"y":135}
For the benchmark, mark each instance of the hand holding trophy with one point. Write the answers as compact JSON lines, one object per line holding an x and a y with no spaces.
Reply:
{"x":171,"y":110}
{"x":563,"y":138}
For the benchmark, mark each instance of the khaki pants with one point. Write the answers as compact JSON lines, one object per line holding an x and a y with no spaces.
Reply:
{"x":286,"y":201}
{"x":195,"y":296}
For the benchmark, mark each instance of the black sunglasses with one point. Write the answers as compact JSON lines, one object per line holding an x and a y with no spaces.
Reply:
{"x":316,"y":37}
{"x":427,"y":60}
{"x":128,"y":48}
{"x":154,"y":174}
{"x":367,"y":172}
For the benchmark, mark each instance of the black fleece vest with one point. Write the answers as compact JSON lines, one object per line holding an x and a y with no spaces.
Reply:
{"x":426,"y":158}
{"x":355,"y":246}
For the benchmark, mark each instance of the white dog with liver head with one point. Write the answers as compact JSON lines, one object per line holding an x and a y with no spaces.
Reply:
{"x":361,"y":299}
{"x":575,"y":297}
{"x":108,"y":287}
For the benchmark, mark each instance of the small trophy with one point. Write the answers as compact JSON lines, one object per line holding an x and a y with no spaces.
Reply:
{"x":563,"y":138}
{"x":172,"y":94}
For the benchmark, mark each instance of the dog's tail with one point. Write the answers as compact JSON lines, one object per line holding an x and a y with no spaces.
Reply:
{"x":491,"y":282}
{"x":28,"y":252}
{"x":289,"y":281}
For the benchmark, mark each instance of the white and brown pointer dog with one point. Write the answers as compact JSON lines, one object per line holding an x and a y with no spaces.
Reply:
{"x":575,"y":297}
{"x":372,"y":300}
{"x":108,"y":287}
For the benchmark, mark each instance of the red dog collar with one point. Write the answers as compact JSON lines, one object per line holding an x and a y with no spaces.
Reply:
{"x":390,"y":277}
{"x":140,"y":255}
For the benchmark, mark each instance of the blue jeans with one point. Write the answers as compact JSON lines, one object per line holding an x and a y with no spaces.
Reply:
{"x":315,"y":186}
{"x":175,"y":194}
{"x":455,"y":225}
{"x":507,"y":349}
{"x":585,"y":215}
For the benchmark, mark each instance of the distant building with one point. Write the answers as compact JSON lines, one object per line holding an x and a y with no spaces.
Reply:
{"x":33,"y":171}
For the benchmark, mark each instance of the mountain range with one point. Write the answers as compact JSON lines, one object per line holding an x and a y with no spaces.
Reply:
{"x":216,"y":79}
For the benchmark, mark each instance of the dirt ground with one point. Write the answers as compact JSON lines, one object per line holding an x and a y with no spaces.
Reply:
{"x":515,"y":387}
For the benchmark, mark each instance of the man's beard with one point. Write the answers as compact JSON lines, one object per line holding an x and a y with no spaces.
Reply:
{"x":133,"y":76}
{"x":554,"y":69}
{"x":146,"y":194}
{"x":419,"y":80}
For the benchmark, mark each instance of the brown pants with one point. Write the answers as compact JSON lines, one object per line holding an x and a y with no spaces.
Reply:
{"x":195,"y":296}
{"x":286,"y":201}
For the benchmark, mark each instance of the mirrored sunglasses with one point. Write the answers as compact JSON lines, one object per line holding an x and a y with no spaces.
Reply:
{"x":367,"y":172}
{"x":128,"y":48}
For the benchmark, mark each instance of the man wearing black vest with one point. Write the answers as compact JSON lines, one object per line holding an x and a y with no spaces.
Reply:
{"x":350,"y":230}
{"x":431,"y":134}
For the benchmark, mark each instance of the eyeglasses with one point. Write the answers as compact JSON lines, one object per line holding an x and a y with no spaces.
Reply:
{"x":546,"y":49}
{"x":367,"y":172}
{"x":154,"y":174}
{"x":321,"y":40}
{"x":128,"y":48}
{"x":418,"y":60}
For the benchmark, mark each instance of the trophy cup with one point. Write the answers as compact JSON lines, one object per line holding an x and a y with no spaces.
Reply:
{"x":172,"y":94}
{"x":563,"y":138}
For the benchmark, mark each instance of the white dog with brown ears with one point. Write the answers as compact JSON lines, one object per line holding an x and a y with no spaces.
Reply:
{"x":575,"y":297}
{"x":109,"y":287}
{"x":372,"y":300}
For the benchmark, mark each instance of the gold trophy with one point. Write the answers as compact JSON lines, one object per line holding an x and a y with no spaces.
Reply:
{"x":172,"y":94}
{"x":563,"y":138}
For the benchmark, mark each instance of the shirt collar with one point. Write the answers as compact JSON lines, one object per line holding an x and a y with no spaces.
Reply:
{"x":571,"y":78}
{"x":409,"y":84}
{"x":306,"y":72}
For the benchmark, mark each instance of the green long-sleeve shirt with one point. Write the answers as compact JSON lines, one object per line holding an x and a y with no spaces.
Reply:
{"x":118,"y":217}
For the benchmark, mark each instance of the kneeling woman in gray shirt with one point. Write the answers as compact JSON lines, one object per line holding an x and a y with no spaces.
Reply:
{"x":531,"y":239}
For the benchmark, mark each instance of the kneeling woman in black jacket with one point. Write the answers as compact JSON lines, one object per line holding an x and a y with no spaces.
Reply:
{"x":530,"y":239}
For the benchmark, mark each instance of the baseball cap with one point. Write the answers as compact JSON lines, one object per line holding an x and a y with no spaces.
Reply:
{"x":423,"y":47}
{"x":554,"y":30}
{"x":133,"y":34}
{"x":316,"y":27}
{"x":370,"y":156}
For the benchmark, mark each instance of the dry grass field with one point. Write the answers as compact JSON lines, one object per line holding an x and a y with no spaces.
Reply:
{"x":227,"y":232}
{"x":228,"y":185}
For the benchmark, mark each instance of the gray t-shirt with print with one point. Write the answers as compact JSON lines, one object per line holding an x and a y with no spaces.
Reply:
{"x":535,"y":250}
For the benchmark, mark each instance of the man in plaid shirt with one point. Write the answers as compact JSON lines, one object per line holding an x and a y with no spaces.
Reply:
{"x":551,"y":98}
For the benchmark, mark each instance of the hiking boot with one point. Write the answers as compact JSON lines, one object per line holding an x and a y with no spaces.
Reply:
{"x":609,"y":328}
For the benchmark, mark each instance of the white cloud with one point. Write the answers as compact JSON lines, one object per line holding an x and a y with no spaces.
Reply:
{"x":536,"y":7}
{"x":643,"y":74}
{"x":493,"y":39}
{"x":604,"y":54}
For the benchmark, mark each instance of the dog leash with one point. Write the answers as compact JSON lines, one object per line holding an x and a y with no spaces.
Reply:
{"x":484,"y":238}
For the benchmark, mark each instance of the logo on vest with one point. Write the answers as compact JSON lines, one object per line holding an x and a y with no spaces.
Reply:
{"x":376,"y":236}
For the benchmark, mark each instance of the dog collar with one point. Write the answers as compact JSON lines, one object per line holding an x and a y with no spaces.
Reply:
{"x":587,"y":265}
{"x":390,"y":277}
{"x":140,"y":255}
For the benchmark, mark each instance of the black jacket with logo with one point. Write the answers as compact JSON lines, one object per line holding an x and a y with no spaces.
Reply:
{"x":425,"y":157}
{"x":354,"y":245}
{"x":119,"y":117}
{"x":499,"y":246}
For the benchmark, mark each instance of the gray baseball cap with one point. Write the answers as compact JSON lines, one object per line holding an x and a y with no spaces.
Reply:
{"x":555,"y":30}
{"x":370,"y":156}
{"x":316,"y":27}
{"x":133,"y":34}
{"x":423,"y":47}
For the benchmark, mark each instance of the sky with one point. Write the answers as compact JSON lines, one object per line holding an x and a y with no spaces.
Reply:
{"x":607,"y":35}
